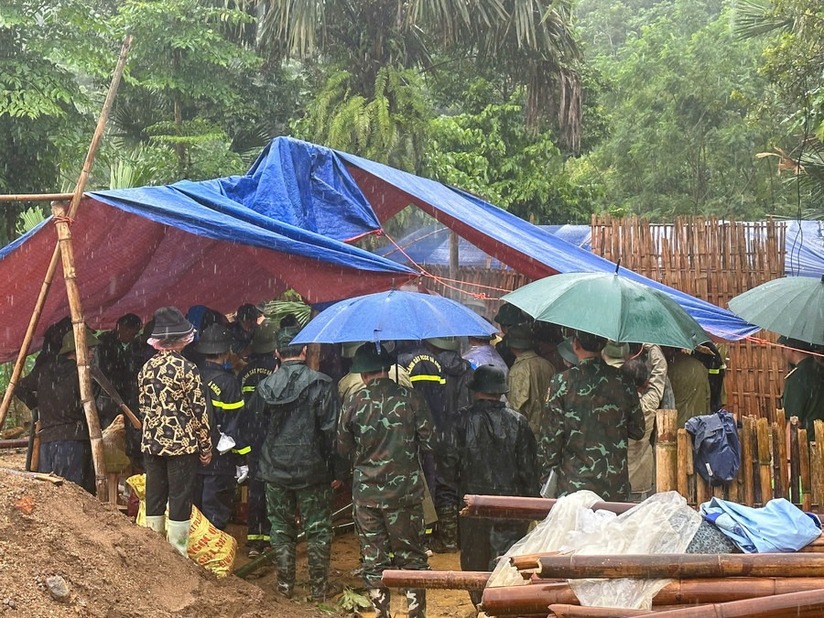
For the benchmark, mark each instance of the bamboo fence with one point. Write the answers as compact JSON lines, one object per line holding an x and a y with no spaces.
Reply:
{"x":779,"y":459}
{"x":713,"y":260}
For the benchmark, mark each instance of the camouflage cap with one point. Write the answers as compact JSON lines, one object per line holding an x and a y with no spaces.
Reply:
{"x":519,"y":337}
{"x":286,"y":335}
{"x":265,"y":338}
{"x":488,"y":379}
{"x":509,"y":315}
{"x":370,"y":358}
{"x":68,"y":341}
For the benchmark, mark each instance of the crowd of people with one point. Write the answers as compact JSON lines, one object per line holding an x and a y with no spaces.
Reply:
{"x":407,"y":426}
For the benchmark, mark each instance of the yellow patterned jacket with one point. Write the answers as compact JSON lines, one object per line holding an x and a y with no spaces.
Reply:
{"x":173,"y":406}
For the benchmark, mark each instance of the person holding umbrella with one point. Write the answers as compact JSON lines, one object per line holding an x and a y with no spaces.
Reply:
{"x":591,"y":412}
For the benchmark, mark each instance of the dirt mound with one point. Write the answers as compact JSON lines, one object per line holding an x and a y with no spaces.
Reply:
{"x":113,"y":568}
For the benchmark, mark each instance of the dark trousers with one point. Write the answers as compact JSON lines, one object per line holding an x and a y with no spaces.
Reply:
{"x":483,"y":541}
{"x":71,"y":459}
{"x":170,"y":478}
{"x":215,"y":497}
{"x":257,"y":520}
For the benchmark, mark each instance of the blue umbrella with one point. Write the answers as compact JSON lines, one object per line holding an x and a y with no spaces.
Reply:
{"x":393,"y":316}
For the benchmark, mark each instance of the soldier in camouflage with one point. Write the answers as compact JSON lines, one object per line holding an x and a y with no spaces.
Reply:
{"x":297,"y":407}
{"x":591,"y":412}
{"x":383,"y":429}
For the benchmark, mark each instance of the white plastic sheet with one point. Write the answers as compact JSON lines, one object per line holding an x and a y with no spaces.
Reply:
{"x":663,"y":523}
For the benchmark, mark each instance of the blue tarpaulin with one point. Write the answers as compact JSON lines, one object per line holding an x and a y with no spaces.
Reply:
{"x":512,"y":240}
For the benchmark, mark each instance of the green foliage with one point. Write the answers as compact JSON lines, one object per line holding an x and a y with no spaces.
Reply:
{"x":681,"y":138}
{"x":390,"y":126}
{"x":491,"y":154}
{"x":277,"y":309}
{"x":353,"y":601}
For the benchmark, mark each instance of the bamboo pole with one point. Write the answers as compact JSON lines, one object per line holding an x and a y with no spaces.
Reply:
{"x":35,"y":197}
{"x":747,"y":460}
{"x":781,"y":453}
{"x":681,"y":566}
{"x":561,"y":610}
{"x":517,"y":507}
{"x":530,"y":562}
{"x":805,"y":469}
{"x":535,"y":598}
{"x":763,"y":446}
{"x":87,"y":398}
{"x":807,"y":604}
{"x":818,"y":466}
{"x":795,"y":446}
{"x":435,"y":580}
{"x":666,"y":450}
{"x":684,"y":455}
{"x":78,"y":193}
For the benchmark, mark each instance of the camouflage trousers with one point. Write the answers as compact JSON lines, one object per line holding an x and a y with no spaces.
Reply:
{"x":314,"y":504}
{"x":390,"y":537}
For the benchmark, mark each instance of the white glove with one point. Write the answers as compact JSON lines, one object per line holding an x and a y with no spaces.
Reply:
{"x":225,"y":444}
{"x":241,"y":473}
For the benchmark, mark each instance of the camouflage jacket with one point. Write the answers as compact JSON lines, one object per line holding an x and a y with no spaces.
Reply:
{"x":172,"y":402}
{"x":591,"y":411}
{"x":383,"y":428}
{"x":528,"y":381}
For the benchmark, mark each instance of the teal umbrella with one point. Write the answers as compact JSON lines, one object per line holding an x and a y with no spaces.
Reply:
{"x":611,"y":306}
{"x":790,"y":306}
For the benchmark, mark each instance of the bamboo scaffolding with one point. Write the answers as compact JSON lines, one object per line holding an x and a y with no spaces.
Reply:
{"x":681,"y":566}
{"x":535,"y":598}
{"x":36,"y":197}
{"x":81,"y":351}
{"x":435,"y":580}
{"x":76,"y":196}
{"x":807,"y":604}
{"x":517,"y":507}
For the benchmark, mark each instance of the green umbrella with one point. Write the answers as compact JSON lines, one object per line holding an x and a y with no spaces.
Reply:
{"x":611,"y":306}
{"x":790,"y":306}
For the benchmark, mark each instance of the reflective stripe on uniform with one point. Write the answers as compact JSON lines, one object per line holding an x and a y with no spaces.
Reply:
{"x":227,"y":406}
{"x":248,"y":389}
{"x":428,"y":378}
{"x":257,"y":537}
{"x":242,"y":451}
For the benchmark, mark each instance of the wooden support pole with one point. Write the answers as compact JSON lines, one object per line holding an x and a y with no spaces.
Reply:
{"x":781,"y":454}
{"x":818,"y":467}
{"x":82,"y":355}
{"x":808,"y":604}
{"x":35,"y":197}
{"x":795,"y":447}
{"x":666,"y":450}
{"x":78,"y":193}
{"x":535,"y":598}
{"x":560,"y":610}
{"x":435,"y":580}
{"x":517,"y":507}
{"x":763,"y":446}
{"x":805,"y":469}
{"x":681,"y":566}
{"x":684,"y":456}
{"x":746,"y":440}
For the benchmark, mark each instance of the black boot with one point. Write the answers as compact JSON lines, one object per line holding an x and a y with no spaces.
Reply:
{"x":416,"y":603}
{"x":380,"y":598}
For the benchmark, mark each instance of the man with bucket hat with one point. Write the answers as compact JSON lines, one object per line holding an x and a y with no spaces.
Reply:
{"x":65,"y":448}
{"x":215,"y":487}
{"x":297,"y":409}
{"x":384,"y":429}
{"x":491,"y":451}
{"x":262,"y":363}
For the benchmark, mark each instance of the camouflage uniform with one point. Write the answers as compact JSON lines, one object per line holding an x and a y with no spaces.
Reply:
{"x":591,"y":412}
{"x":384,"y":427}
